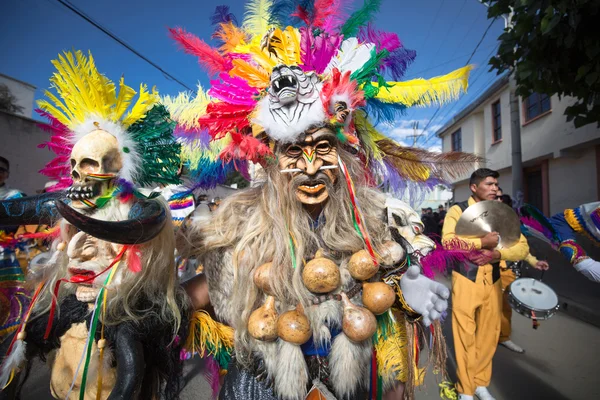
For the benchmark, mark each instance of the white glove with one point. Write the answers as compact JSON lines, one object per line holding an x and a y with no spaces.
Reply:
{"x":426,"y":297}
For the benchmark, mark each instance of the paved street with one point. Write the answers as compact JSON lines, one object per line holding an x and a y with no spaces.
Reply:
{"x":562,"y":362}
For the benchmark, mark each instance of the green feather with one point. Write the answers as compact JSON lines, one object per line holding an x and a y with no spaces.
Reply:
{"x":157,"y":147}
{"x":360,"y":18}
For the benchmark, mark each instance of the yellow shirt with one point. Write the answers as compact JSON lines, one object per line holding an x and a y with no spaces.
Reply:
{"x":517,"y":252}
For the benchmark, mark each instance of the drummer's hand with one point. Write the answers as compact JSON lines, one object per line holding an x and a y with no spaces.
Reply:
{"x":490,"y":241}
{"x":425,"y":296}
{"x":483,"y":257}
{"x":542,"y":265}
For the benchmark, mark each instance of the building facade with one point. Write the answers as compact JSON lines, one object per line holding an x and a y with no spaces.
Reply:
{"x":561,"y":163}
{"x":23,"y":93}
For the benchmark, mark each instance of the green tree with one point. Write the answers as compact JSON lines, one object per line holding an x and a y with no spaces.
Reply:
{"x":8,"y":102}
{"x":554,"y":47}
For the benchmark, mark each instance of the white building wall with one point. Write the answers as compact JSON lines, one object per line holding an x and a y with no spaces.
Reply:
{"x":572,"y":180}
{"x":23,"y":92}
{"x":19,"y":137}
{"x":550,"y":134}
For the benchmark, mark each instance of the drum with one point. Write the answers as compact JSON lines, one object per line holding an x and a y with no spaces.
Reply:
{"x":532,"y":298}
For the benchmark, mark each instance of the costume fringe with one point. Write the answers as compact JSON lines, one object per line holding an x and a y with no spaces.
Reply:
{"x":208,"y":337}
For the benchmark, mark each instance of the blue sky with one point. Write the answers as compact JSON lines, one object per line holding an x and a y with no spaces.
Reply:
{"x":443,"y":32}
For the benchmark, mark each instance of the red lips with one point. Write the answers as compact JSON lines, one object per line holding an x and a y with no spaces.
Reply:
{"x":81,"y":275}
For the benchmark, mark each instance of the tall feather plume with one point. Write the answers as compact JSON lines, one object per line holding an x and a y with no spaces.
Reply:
{"x":283,"y":12}
{"x":256,"y":17}
{"x":360,"y":17}
{"x":222,"y":15}
{"x":337,"y":16}
{"x":317,"y":51}
{"x":421,"y":165}
{"x":425,"y":92}
{"x":397,"y":62}
{"x":146,"y":100}
{"x":208,"y":58}
{"x":351,"y":56}
{"x":381,"y":112}
{"x":381,"y":39}
{"x":186,"y":110}
{"x":232,"y":38}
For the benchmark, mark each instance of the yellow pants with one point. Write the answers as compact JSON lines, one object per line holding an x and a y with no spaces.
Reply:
{"x":476,"y":327}
{"x":507,"y":276}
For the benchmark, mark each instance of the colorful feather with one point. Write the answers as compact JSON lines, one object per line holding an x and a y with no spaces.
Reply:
{"x":381,"y":112}
{"x":382,"y":40}
{"x":256,"y":18}
{"x":233,"y":90}
{"x":422,"y":92}
{"x":232,"y":38}
{"x":317,"y":51}
{"x":187,"y":110}
{"x":397,"y":62}
{"x":222,"y":16}
{"x":351,"y":56}
{"x":360,"y":17}
{"x":208,"y":58}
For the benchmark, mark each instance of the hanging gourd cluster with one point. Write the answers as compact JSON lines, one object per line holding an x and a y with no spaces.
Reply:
{"x":321,"y":276}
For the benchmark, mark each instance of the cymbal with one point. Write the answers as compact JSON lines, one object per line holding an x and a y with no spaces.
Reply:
{"x":490,"y":216}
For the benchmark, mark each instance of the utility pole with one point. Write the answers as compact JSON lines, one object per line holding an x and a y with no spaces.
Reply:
{"x":415,"y":136}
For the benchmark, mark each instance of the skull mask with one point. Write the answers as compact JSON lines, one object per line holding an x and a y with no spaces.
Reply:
{"x":95,"y":162}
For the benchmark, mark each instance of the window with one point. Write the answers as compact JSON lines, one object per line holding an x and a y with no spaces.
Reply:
{"x":536,"y":105}
{"x":457,"y":141}
{"x":496,"y":122}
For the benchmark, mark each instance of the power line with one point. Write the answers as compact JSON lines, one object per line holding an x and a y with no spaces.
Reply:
{"x":467,"y":63}
{"x":475,"y":79}
{"x":414,"y":74}
{"x":447,"y":35}
{"x":432,"y":22}
{"x":481,"y":40}
{"x":80,"y":13}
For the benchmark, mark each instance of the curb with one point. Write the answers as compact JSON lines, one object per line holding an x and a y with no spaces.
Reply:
{"x":579,"y":311}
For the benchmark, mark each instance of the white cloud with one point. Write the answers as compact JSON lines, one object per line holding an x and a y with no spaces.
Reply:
{"x":402,"y":131}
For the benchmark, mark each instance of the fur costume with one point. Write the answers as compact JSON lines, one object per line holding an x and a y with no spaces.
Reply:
{"x":108,"y":311}
{"x":299,"y":264}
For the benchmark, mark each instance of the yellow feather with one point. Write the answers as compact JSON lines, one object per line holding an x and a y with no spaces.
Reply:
{"x":286,"y":45}
{"x":144,"y":102}
{"x":203,"y":330}
{"x":82,"y":92}
{"x":186,"y":110}
{"x":49,"y":108}
{"x":122,"y":102}
{"x":264,"y":59}
{"x":425,"y":92}
{"x":256,"y":18}
{"x":368,"y":135}
{"x":392,"y":351}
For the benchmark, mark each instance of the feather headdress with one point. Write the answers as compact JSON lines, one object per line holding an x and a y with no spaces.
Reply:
{"x":334,"y":67}
{"x":83,"y":100}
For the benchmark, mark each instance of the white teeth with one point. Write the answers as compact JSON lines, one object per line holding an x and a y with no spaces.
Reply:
{"x":277,"y":84}
{"x":290,"y":79}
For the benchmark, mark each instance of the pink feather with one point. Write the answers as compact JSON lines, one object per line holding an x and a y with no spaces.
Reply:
{"x":382,"y":40}
{"x":233,"y":90}
{"x":212,"y":374}
{"x":209,"y":58}
{"x":317,"y":51}
{"x":441,"y":259}
{"x":335,"y":17}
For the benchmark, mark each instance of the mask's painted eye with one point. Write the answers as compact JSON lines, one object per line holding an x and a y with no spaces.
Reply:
{"x":323,"y":148}
{"x":294,"y":151}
